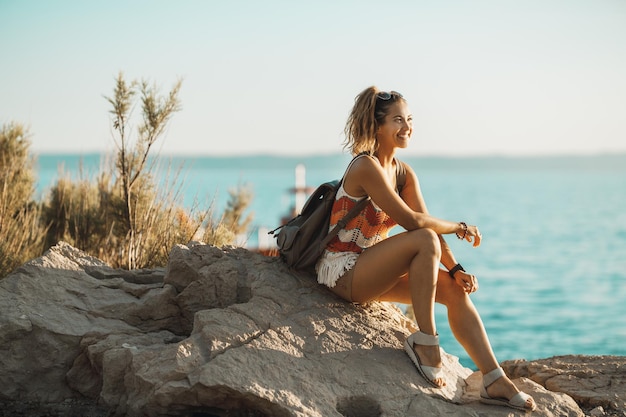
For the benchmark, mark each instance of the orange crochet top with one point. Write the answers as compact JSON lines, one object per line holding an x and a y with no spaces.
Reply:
{"x":366,"y":229}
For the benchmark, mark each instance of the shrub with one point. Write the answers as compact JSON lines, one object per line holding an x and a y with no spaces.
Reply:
{"x":232,"y":223}
{"x":21,"y":236}
{"x":128,"y":219}
{"x":80,"y":213}
{"x":123,"y":217}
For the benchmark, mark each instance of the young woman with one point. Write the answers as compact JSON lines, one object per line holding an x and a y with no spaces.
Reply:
{"x":363,"y":264}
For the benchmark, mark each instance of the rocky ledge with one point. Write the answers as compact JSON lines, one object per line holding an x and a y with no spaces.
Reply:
{"x":228,"y":332}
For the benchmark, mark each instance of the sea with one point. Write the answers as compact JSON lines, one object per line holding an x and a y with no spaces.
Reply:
{"x":552,"y":265}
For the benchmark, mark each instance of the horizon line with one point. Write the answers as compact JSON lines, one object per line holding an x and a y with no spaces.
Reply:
{"x":621,"y":153}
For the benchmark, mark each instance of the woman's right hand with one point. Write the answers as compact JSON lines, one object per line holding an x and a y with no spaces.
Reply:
{"x":471,"y":234}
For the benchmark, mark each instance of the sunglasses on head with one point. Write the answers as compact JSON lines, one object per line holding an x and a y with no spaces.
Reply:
{"x":384,"y":95}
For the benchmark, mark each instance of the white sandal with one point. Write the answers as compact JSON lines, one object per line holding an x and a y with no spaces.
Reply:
{"x":519,"y":401}
{"x":429,"y":373}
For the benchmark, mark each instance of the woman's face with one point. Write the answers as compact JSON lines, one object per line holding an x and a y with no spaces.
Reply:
{"x":398,"y":127}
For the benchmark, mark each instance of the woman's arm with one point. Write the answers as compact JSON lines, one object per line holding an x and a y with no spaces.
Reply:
{"x":367,"y":177}
{"x":413,"y":196}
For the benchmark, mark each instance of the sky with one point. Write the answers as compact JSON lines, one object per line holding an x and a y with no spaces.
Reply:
{"x":499,"y":77}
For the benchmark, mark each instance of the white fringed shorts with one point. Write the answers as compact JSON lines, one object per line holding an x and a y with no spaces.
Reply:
{"x":332,"y":265}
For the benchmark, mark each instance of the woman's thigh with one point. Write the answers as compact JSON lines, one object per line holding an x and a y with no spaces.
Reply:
{"x":379,"y":268}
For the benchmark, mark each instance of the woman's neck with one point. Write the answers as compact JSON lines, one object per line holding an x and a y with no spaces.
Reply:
{"x":385,"y":158}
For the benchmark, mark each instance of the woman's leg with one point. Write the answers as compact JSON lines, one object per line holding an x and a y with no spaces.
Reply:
{"x":465,"y":322}
{"x":412,"y":257}
{"x":380,"y":268}
{"x":466,"y":325}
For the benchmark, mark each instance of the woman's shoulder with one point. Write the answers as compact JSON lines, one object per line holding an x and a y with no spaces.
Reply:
{"x":364,"y":161}
{"x":362,"y":169}
{"x":364,"y":166}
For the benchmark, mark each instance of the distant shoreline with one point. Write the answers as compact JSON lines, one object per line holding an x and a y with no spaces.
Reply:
{"x":594,"y":162}
{"x":333,"y":154}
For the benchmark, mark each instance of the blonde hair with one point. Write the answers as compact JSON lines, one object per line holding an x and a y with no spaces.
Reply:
{"x":368,"y":113}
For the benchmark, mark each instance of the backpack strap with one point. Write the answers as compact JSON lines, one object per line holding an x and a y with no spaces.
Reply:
{"x":344,"y":221}
{"x":350,"y":214}
{"x":400,"y":183}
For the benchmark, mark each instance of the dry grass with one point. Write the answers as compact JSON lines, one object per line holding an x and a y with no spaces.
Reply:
{"x":90,"y":216}
{"x":21,"y":235}
{"x":123,"y":216}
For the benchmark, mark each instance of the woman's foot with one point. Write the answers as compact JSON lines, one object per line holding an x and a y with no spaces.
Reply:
{"x":423,"y":349}
{"x":498,"y":389}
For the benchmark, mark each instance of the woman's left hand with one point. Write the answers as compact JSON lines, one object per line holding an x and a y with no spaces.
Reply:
{"x":468,"y":282}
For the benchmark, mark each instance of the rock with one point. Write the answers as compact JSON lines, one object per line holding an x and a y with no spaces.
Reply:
{"x":592,"y":381}
{"x":597,"y":412}
{"x":220,"y":332}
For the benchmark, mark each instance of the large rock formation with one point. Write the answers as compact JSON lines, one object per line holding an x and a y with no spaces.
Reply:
{"x":220,"y":332}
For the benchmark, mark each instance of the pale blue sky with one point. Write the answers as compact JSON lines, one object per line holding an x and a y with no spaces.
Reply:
{"x":481,"y":77}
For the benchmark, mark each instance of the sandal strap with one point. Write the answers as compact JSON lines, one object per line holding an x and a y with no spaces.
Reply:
{"x":519,"y":400}
{"x":424,"y":339}
{"x":492,"y":376}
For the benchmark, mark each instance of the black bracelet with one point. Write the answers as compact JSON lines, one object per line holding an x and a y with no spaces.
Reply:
{"x":464,"y":226}
{"x":455,"y":269}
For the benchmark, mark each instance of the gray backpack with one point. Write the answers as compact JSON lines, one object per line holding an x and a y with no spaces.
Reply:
{"x":302,"y":239}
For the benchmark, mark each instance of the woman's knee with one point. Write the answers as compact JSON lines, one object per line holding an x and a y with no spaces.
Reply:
{"x":448,"y":292}
{"x":427,"y":241}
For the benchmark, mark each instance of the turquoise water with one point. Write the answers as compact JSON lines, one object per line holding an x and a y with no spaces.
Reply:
{"x":552,"y":266}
